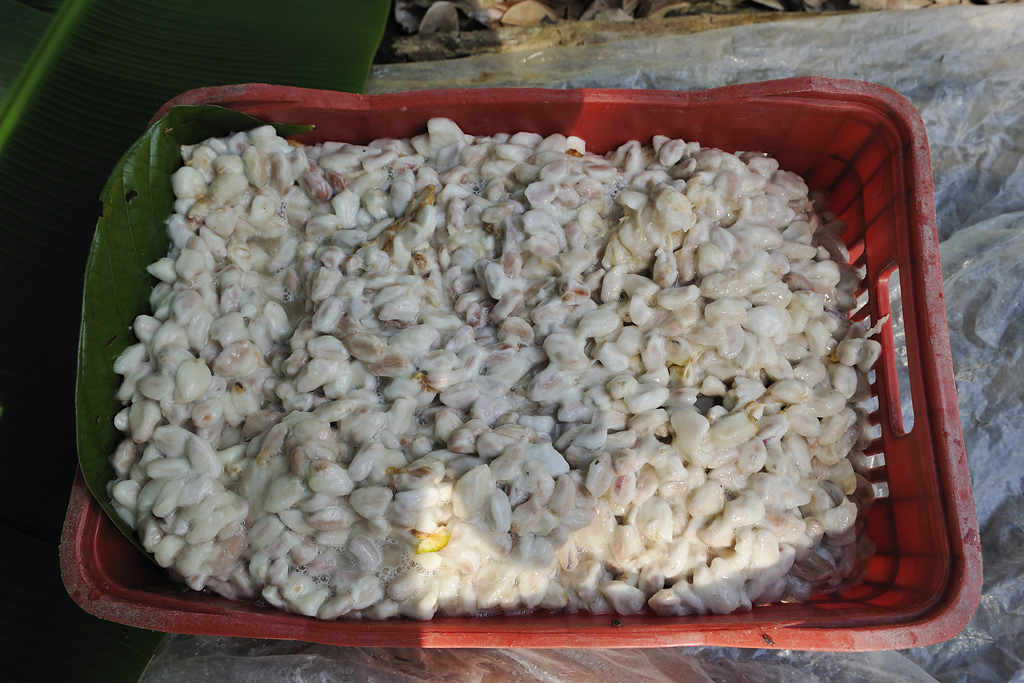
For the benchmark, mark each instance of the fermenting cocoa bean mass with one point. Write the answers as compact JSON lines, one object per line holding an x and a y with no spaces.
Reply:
{"x":464,"y":375}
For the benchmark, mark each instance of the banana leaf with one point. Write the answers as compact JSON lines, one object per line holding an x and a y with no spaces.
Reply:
{"x":79,"y":82}
{"x":95,"y":79}
{"x":17,"y":49}
{"x":131,"y":234}
{"x":48,"y":637}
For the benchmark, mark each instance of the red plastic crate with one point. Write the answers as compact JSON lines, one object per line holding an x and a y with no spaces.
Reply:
{"x":862,"y":143}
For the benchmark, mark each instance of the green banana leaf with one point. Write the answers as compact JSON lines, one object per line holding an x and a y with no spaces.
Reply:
{"x":130,"y":235}
{"x":48,"y":637}
{"x":100,"y":72}
{"x":79,"y":81}
{"x":17,"y":49}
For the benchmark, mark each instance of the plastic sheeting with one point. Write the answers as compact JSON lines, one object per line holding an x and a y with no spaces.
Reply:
{"x":963,"y":68}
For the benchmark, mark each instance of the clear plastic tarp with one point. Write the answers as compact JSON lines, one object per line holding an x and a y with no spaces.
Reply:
{"x":963,"y":68}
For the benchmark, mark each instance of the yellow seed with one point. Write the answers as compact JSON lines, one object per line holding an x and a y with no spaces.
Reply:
{"x":431,"y":543}
{"x":424,"y":381}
